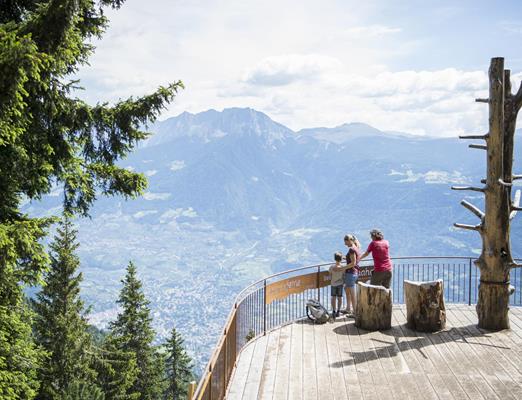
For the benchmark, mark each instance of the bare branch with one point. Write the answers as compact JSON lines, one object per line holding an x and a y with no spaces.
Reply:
{"x":516,"y":177}
{"x":469,"y":227}
{"x":515,"y":265}
{"x":506,"y":184}
{"x":517,"y":98}
{"x":515,"y":205}
{"x":484,"y":137}
{"x":478,"y":146}
{"x":475,"y":189}
{"x":475,"y":210}
{"x":516,"y":200}
{"x":482,"y":100}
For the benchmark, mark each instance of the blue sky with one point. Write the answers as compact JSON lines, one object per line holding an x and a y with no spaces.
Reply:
{"x":413,"y":66}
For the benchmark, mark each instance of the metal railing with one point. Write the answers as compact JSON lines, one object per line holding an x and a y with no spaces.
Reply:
{"x":281,"y":298}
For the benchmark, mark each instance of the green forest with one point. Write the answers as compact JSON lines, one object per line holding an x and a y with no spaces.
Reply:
{"x":49,"y":137}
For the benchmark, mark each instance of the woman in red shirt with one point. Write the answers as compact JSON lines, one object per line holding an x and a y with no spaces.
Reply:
{"x":382,"y":265}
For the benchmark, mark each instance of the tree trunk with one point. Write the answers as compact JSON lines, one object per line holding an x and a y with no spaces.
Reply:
{"x":425,"y":308}
{"x":374,"y":307}
{"x":494,"y":262}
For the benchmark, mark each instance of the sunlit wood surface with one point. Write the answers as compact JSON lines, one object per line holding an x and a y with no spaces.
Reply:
{"x":339,"y":361}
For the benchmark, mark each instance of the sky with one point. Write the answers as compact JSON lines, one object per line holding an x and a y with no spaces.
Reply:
{"x":399,"y":65}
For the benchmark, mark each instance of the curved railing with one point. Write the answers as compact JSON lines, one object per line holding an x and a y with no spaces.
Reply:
{"x":280,"y":299}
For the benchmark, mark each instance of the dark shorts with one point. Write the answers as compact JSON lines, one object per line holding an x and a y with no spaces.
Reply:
{"x":350,"y":279}
{"x":336,"y":291}
{"x":381,"y":278}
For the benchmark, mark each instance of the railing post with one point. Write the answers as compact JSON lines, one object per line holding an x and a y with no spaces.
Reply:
{"x":318,"y":283}
{"x":469,"y":283}
{"x":264,"y":307}
{"x":191,"y":390}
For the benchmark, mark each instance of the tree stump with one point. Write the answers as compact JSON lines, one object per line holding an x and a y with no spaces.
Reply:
{"x":425,"y":305}
{"x":374,"y":307}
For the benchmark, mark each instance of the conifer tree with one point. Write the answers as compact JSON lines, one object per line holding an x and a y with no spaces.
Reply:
{"x":48,"y":136}
{"x":134,"y":332}
{"x":117,"y":370}
{"x":178,"y":368}
{"x":61,"y":325}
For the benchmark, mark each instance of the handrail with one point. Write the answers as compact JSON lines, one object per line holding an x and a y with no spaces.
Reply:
{"x":254,"y":295}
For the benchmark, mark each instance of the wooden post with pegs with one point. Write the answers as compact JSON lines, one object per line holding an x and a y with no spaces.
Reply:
{"x":496,"y":261}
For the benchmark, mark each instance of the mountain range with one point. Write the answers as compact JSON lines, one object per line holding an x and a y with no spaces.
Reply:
{"x":234,"y":196}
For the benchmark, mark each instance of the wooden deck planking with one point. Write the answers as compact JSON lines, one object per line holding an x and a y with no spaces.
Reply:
{"x":509,"y":374}
{"x":335,"y":363}
{"x":267,"y":384}
{"x":338,"y":361}
{"x":283,"y":364}
{"x":295,"y":387}
{"x":309,"y":363}
{"x":240,"y":373}
{"x":256,"y":369}
{"x":324,"y":387}
{"x":488,"y":367}
{"x":351,"y":378}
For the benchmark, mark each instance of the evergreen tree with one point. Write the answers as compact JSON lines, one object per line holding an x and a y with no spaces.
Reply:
{"x":117,"y":370}
{"x":61,"y":325}
{"x":19,"y":356}
{"x":48,"y":136}
{"x":134,"y":332}
{"x":178,"y":368}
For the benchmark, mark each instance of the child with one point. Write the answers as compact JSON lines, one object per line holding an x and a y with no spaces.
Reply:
{"x":336,"y":282}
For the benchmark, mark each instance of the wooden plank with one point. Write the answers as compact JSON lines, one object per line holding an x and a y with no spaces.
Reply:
{"x":380,"y":381}
{"x":504,"y":369}
{"x":335,"y":363}
{"x":240,"y":374}
{"x":395,"y":368}
{"x":351,"y":377}
{"x":283,"y":363}
{"x":309,"y":363}
{"x":256,"y":366}
{"x":486,"y":366}
{"x":419,"y":344}
{"x":324,"y":383}
{"x":268,"y":377}
{"x":295,"y":386}
{"x":413,"y":371}
{"x":363,"y":372}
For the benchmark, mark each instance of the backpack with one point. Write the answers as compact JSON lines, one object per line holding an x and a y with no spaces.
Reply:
{"x":316,"y":312}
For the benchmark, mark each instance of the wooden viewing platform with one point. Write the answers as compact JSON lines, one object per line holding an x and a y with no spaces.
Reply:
{"x":339,"y":361}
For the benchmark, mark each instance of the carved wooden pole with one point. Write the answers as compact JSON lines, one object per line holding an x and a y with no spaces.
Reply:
{"x":495,"y":260}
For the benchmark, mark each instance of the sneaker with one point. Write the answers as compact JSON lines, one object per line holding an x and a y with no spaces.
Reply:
{"x":345,"y":311}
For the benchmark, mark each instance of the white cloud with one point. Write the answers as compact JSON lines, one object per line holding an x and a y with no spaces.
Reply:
{"x":302,"y":62}
{"x":371,"y":31}
{"x":151,"y":172}
{"x":176,"y":165}
{"x":173,"y":214}
{"x":156,"y":196}
{"x":141,"y":214}
{"x":512,"y":27}
{"x":431,"y":177}
{"x":286,"y":69}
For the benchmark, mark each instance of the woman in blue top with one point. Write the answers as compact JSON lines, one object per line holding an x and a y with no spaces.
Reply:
{"x":352,"y":272}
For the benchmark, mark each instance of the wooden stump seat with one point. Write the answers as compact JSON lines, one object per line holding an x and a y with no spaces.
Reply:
{"x":425,"y":305}
{"x":374,"y":307}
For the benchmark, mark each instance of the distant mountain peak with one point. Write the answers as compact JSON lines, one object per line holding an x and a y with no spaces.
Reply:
{"x":211,"y":125}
